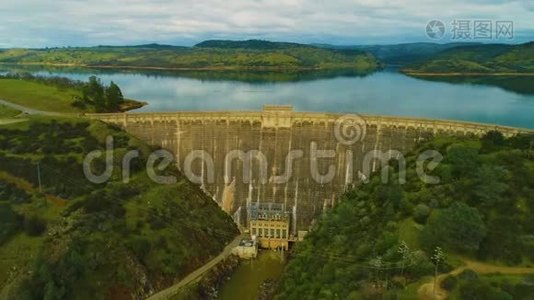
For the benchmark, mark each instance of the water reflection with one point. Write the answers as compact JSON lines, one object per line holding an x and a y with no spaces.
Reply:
{"x":387,"y":92}
{"x":519,"y":84}
{"x":245,"y":282}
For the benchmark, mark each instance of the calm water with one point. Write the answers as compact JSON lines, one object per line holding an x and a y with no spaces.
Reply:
{"x":386,"y":92}
{"x":247,"y":278}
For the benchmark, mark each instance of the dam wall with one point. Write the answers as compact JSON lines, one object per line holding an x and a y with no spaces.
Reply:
{"x":303,"y":160}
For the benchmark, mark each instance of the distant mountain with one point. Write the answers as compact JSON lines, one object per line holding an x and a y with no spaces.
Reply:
{"x":483,"y":58}
{"x":147,"y":46}
{"x":249,"y":44}
{"x":401,"y":54}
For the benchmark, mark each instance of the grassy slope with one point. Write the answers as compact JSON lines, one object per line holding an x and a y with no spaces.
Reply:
{"x":335,"y":260}
{"x":492,"y":58}
{"x":37,"y":96}
{"x":7,"y":112}
{"x":284,"y":57}
{"x":110,"y":240}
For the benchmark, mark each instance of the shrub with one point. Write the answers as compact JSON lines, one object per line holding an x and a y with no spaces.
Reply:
{"x":34,"y":225}
{"x":457,"y":228}
{"x":141,"y":247}
{"x":468,"y":275}
{"x":421,"y":213}
{"x":492,"y":140}
{"x":9,"y":222}
{"x":449,"y":282}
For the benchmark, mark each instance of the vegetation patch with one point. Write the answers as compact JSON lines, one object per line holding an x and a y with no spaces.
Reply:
{"x":382,"y":241}
{"x":8,"y":112}
{"x":112,"y":240}
{"x":479,"y":59}
{"x":58,"y":94}
{"x":213,"y":55}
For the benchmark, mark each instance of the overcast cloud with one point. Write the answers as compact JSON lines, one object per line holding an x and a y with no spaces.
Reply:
{"x":41,"y":23}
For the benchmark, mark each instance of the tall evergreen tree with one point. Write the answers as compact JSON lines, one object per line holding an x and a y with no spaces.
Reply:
{"x":93,"y":93}
{"x":114,"y":97}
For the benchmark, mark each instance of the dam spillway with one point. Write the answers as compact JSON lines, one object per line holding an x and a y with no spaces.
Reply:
{"x":300,"y":159}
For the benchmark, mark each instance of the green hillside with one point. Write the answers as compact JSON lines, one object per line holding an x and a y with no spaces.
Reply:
{"x":402,"y":54}
{"x":8,"y":112}
{"x":379,"y":240}
{"x":113,"y":240}
{"x":248,"y":44}
{"x":254,"y":55}
{"x":38,"y":95}
{"x":63,"y":95}
{"x":484,"y":58}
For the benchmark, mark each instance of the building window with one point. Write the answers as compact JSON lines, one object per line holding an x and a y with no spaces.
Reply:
{"x":284,"y":233}
{"x":254,"y":231}
{"x":272,"y":232}
{"x":277,"y":233}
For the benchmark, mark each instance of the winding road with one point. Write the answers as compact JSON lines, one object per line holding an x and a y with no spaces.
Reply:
{"x":426,"y":291}
{"x":30,"y":111}
{"x":173,"y":290}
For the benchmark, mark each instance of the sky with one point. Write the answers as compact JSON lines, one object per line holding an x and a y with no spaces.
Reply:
{"x":57,"y":23}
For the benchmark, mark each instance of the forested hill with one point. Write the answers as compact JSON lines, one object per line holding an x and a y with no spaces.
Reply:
{"x":249,"y":44}
{"x":401,"y":54}
{"x":483,"y":58}
{"x":380,"y":240}
{"x":209,"y":55}
{"x":113,"y":240}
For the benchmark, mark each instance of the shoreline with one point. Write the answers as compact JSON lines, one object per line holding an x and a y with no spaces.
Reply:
{"x":211,"y":68}
{"x":465,"y":74}
{"x":131,"y":104}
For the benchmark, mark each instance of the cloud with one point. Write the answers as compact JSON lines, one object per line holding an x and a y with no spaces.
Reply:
{"x":38,"y":23}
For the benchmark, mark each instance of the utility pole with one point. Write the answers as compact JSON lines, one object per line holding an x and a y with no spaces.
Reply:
{"x":39,"y":176}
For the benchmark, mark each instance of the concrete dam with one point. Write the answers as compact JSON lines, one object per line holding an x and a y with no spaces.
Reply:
{"x":300,"y":159}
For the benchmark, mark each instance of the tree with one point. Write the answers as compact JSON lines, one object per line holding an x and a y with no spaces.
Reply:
{"x":457,"y":228}
{"x":463,"y":160}
{"x":102,"y":98}
{"x":420,"y":213}
{"x":491,"y":141}
{"x":500,"y":244}
{"x":490,"y":185}
{"x":93,"y":92}
{"x":114,"y":97}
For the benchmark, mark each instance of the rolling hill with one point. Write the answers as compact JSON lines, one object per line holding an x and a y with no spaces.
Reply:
{"x":401,"y":54}
{"x":208,"y":55}
{"x":478,"y":59}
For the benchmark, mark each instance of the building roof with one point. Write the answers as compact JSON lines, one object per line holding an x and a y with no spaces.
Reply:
{"x":268,"y":211}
